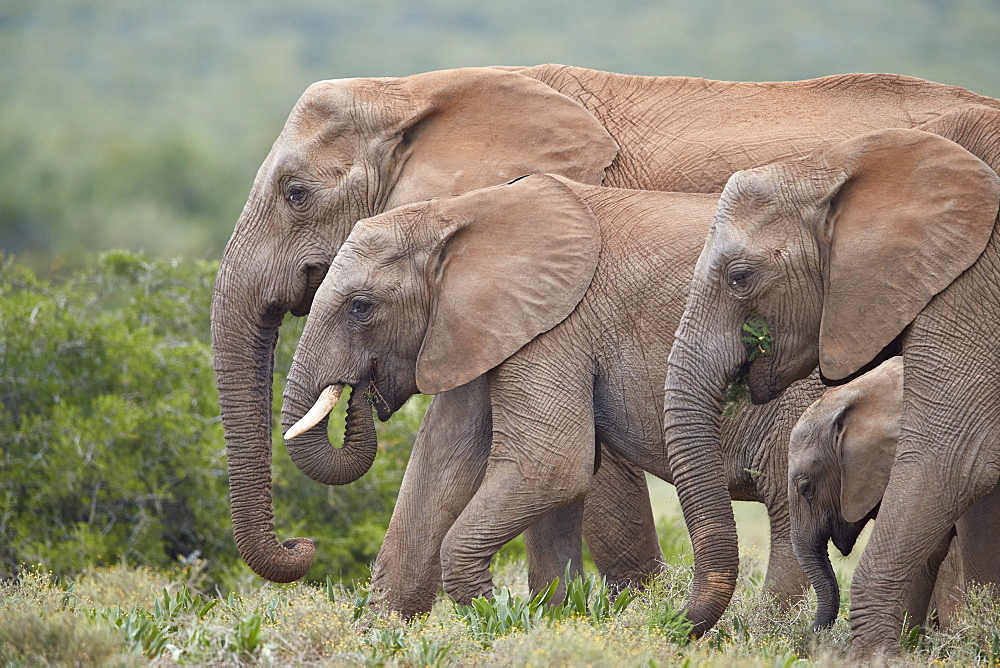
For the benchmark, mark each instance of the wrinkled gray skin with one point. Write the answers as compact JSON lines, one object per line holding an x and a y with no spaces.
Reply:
{"x":353,"y":148}
{"x":839,"y":459}
{"x":415,"y":291}
{"x":886,"y":242}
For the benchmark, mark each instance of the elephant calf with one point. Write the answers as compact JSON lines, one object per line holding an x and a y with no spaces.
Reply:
{"x":566,"y":296}
{"x":839,"y":458}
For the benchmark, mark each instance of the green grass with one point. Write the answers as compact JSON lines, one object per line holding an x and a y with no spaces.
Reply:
{"x":126,"y":616}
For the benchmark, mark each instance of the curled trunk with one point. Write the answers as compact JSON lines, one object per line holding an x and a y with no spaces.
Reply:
{"x":815,"y":561}
{"x":692,"y":413}
{"x":244,"y":358}
{"x":312,"y":451}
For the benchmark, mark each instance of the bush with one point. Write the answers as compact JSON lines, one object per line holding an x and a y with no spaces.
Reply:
{"x":112,"y":446}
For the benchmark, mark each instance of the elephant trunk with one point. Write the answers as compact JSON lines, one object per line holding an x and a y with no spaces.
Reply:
{"x":814,"y":558}
{"x":312,"y":451}
{"x":696,"y":377}
{"x":243,"y":348}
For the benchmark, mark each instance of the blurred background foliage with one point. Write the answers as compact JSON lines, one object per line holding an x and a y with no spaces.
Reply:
{"x":140,"y":126}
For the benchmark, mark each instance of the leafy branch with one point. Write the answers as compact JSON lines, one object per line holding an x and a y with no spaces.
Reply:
{"x":756,"y":336}
{"x":759,"y":341}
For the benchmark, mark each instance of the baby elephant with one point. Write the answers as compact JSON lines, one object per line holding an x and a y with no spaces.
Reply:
{"x":840,"y":456}
{"x":566,"y":297}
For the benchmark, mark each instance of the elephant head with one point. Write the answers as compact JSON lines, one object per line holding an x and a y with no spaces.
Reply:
{"x":834,"y":254}
{"x":350,"y":149}
{"x":429,"y":296}
{"x":840,"y":454}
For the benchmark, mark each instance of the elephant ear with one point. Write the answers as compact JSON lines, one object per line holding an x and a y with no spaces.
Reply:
{"x":908,"y":212}
{"x":514,"y":261}
{"x":476,"y":127}
{"x":868,"y":434}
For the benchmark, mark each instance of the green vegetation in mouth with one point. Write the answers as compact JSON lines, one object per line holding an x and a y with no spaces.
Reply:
{"x":374,"y":397}
{"x":757,"y":337}
{"x":759,"y":341}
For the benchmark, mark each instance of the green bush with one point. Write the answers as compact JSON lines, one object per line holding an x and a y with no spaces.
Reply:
{"x":111,"y":443}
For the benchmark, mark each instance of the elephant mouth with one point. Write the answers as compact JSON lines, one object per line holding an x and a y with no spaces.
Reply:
{"x":382,"y":396}
{"x":382,"y":407}
{"x":846,"y":537}
{"x":330,"y":396}
{"x":845,"y":544}
{"x":761,"y":382}
{"x":746,"y":384}
{"x":314,"y":278}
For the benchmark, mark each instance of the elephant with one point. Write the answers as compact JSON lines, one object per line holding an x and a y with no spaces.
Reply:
{"x":352,"y":148}
{"x":839,"y":457}
{"x":883,"y":244}
{"x":565,"y":297}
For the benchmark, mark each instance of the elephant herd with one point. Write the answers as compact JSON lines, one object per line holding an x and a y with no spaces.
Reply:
{"x":546,"y":251}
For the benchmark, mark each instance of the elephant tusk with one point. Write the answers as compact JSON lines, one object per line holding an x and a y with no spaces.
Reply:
{"x":328,"y":398}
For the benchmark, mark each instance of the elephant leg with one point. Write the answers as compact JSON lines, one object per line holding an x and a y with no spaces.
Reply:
{"x":505,"y":505}
{"x":896,"y":572}
{"x":553,"y":542}
{"x":784,"y":579}
{"x":618,"y":523}
{"x":445,"y":468}
{"x":901,"y":544}
{"x":976,"y":531}
{"x":949,"y":586}
{"x":541,"y":459}
{"x":921,"y":588}
{"x":921,"y":504}
{"x":618,"y":526}
{"x":946,"y":460}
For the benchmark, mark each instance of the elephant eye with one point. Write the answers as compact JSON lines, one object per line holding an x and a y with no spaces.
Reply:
{"x":295,"y":194}
{"x":738,"y":278}
{"x":360,"y":307}
{"x":806,"y":488}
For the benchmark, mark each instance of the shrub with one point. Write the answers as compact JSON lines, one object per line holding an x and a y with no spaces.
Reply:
{"x":111,"y":442}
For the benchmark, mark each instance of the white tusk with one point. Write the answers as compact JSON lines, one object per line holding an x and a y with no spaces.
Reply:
{"x":328,"y":398}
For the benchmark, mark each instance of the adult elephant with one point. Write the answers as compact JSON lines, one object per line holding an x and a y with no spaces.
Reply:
{"x":884,"y":243}
{"x":355,"y":147}
{"x":565,"y":297}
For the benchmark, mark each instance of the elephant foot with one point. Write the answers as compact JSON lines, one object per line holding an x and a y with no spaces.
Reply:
{"x":463,"y":593}
{"x":636,"y":579}
{"x":465,"y":579}
{"x":874,"y":638}
{"x":872,"y":655}
{"x":784,"y":598}
{"x":465,"y":597}
{"x":406,"y":587}
{"x":406,"y":604}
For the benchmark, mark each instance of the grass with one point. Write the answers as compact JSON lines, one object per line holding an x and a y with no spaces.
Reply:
{"x":125,"y":616}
